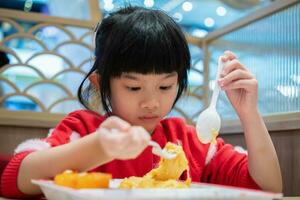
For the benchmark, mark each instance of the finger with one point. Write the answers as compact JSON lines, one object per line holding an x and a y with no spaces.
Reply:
{"x":140,"y":135}
{"x":230,"y":66}
{"x":247,"y":84}
{"x":114,"y":122}
{"x":224,"y":58}
{"x":134,"y":136}
{"x":109,"y":136}
{"x":230,"y":55}
{"x":143,"y":131}
{"x":110,"y":142}
{"x":136,"y":142}
{"x":233,"y":76}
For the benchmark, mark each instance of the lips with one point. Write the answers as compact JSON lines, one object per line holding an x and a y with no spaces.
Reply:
{"x":148,"y":117}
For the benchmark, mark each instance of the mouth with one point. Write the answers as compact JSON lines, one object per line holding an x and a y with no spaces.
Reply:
{"x":148,"y":117}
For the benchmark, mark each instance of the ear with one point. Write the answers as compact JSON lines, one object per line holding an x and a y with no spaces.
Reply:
{"x":94,"y":79}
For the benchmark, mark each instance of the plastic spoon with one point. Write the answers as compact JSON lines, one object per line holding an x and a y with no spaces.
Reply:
{"x":209,"y":122}
{"x":156,"y":149}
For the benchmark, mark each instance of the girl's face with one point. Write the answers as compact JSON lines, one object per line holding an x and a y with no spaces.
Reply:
{"x":143,"y":100}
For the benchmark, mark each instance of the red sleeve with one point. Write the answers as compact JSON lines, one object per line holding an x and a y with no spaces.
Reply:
{"x":79,"y":122}
{"x":76,"y":124}
{"x":9,"y":188}
{"x":228,"y":167}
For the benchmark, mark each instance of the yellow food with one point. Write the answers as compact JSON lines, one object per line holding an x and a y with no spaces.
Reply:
{"x":166,"y":175}
{"x":214,"y":134}
{"x":83,"y":180}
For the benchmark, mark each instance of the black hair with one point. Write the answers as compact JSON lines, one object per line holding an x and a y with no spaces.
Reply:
{"x":141,"y":40}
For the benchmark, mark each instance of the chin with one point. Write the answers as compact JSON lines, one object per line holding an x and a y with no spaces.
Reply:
{"x":150,"y":129}
{"x":147,"y":127}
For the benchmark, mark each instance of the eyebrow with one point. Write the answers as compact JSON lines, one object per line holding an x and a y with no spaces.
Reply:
{"x":128,"y":76}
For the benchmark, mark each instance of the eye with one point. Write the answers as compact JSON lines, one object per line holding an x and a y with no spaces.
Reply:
{"x":133,"y":88}
{"x":165,"y":87}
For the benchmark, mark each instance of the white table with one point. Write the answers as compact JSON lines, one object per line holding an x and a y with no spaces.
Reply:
{"x":284,"y":198}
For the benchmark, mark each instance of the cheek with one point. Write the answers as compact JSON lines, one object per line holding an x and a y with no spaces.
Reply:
{"x":169,"y":100}
{"x":174,"y":94}
{"x":125,"y":108}
{"x":122,"y":103}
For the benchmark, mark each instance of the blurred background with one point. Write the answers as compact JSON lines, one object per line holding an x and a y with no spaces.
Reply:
{"x":46,"y":62}
{"x":46,"y":47}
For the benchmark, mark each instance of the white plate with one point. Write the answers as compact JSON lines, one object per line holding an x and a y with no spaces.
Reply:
{"x":197,"y":191}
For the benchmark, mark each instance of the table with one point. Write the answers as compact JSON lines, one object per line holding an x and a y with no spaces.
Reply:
{"x":284,"y":198}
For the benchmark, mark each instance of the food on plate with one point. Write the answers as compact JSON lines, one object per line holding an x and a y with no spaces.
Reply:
{"x":166,"y":175}
{"x":76,"y":180}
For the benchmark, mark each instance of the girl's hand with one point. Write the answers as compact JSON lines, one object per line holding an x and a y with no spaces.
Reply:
{"x":239,"y":84}
{"x":120,"y":140}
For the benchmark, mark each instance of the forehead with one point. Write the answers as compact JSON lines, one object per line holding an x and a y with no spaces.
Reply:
{"x":140,"y":76}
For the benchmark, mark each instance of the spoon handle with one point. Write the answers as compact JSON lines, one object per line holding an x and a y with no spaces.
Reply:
{"x":216,"y":90}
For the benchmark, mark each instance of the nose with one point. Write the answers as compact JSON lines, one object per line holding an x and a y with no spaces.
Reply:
{"x":150,"y":104}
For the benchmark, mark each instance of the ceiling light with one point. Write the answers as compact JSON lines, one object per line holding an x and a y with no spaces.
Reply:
{"x":108,"y":6}
{"x":187,"y":6}
{"x":149,"y":3}
{"x":177,"y":17}
{"x":209,"y":22}
{"x":199,"y":33}
{"x":221,"y":11}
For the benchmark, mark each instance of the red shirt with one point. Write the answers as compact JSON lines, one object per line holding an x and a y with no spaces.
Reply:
{"x":219,"y":164}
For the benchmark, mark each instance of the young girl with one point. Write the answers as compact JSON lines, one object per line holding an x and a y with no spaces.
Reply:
{"x":140,"y":71}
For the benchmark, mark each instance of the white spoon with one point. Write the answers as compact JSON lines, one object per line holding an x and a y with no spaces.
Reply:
{"x":157,"y":150}
{"x":209,"y":122}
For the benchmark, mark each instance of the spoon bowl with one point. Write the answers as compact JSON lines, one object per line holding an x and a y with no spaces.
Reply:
{"x":209,"y":121}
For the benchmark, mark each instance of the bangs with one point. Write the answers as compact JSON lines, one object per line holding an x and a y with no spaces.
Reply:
{"x":143,"y":44}
{"x":146,"y":56}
